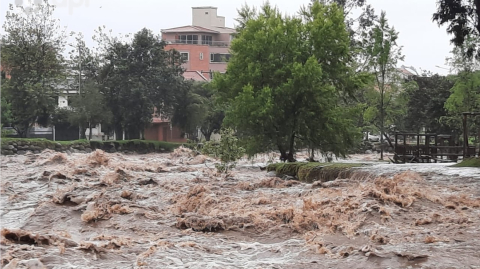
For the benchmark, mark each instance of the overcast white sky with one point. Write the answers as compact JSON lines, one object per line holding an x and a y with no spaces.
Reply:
{"x":425,"y":45}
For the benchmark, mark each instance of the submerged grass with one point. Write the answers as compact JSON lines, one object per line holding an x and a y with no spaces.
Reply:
{"x":471,"y":162}
{"x":310,"y":172}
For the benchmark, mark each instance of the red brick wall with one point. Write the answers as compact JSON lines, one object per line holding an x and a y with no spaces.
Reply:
{"x":194,"y":62}
{"x":155,"y":132}
{"x":151,"y":133}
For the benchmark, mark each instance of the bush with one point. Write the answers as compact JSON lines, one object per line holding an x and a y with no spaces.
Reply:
{"x":227,"y":150}
{"x":471,"y":162}
{"x":310,"y":172}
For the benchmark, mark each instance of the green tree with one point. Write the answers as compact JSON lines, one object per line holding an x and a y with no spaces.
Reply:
{"x":426,"y":104}
{"x":191,"y":108}
{"x":31,"y":53}
{"x":6,"y":110}
{"x":212,"y":123}
{"x":283,"y":81}
{"x":383,"y":55}
{"x":88,"y":108}
{"x":196,"y":109}
{"x":464,"y":97}
{"x":227,"y":150}
{"x":465,"y":93}
{"x":138,"y":78}
{"x":463,"y":22}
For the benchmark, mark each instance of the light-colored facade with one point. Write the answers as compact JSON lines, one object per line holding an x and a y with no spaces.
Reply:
{"x":206,"y":17}
{"x":204,"y":44}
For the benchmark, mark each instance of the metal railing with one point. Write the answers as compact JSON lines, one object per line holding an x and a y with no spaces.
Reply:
{"x":199,"y":42}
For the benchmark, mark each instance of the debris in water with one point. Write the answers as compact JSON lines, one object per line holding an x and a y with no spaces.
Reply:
{"x":97,"y":158}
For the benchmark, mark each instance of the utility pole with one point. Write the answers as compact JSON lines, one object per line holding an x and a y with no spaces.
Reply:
{"x":79,"y":69}
{"x":79,"y":84}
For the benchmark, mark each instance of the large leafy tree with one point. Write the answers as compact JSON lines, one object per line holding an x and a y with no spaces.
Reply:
{"x":212,"y":123}
{"x":426,"y":102}
{"x":191,"y":107}
{"x":31,"y":54}
{"x":465,"y":93}
{"x":6,"y":111}
{"x":383,"y":54}
{"x":88,"y":107}
{"x":284,"y":80}
{"x":462,"y":20}
{"x":464,"y":97}
{"x":138,"y":78}
{"x":196,"y":109}
{"x":83,"y":71}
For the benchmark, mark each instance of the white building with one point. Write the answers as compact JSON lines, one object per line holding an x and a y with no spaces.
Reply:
{"x":97,"y":133}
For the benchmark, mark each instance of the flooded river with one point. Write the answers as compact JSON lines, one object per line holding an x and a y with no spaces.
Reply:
{"x":103,"y":210}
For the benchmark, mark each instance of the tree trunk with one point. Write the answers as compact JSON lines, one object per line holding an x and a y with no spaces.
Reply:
{"x":82,"y":132}
{"x":22,"y":133}
{"x":283,"y":154}
{"x":90,"y":131}
{"x":207,"y":136}
{"x":291,"y":149}
{"x":312,"y":156}
{"x":382,"y":117}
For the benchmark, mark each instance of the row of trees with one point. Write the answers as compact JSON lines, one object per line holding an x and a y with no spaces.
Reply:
{"x":315,"y":80}
{"x":119,"y":84}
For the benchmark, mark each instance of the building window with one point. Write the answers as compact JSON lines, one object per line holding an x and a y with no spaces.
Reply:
{"x":184,"y":56}
{"x":219,"y":57}
{"x":201,"y":55}
{"x":207,"y":40}
{"x":188,"y":39}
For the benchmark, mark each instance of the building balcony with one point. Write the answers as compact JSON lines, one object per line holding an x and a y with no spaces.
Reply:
{"x":199,"y":42}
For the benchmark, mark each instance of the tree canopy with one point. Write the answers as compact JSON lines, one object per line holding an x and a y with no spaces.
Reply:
{"x":383,"y":54}
{"x":426,"y":104}
{"x":32,"y":55}
{"x":138,"y":78}
{"x":88,"y":108}
{"x":462,"y":20}
{"x":284,"y":78}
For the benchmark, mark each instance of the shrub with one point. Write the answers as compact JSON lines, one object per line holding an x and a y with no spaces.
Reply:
{"x":227,"y":150}
{"x":310,"y":172}
{"x":471,"y":162}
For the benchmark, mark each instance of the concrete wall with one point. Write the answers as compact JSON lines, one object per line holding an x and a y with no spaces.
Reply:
{"x":62,"y":101}
{"x":225,"y":37}
{"x":207,"y":16}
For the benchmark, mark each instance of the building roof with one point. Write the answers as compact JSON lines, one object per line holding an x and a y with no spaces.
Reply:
{"x":194,"y":75}
{"x":223,"y":30}
{"x":159,"y":119}
{"x":189,"y":28}
{"x":207,"y":7}
{"x":405,"y":70}
{"x":199,"y":29}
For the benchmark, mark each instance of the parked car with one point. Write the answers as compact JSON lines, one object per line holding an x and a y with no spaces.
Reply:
{"x":371,"y":137}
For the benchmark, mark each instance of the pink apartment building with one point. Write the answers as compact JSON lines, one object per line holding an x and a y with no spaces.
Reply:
{"x":204,"y":44}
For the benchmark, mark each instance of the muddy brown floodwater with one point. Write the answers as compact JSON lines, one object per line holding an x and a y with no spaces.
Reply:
{"x":103,"y":210}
